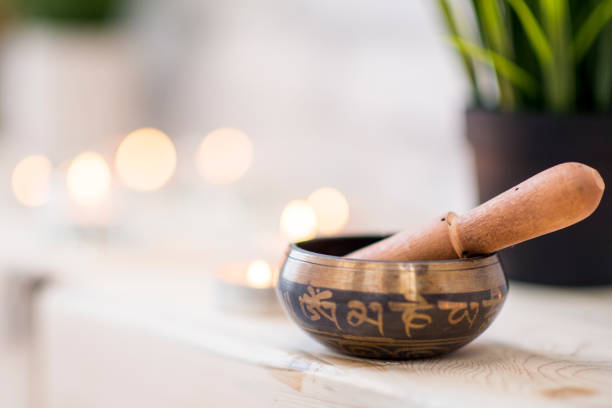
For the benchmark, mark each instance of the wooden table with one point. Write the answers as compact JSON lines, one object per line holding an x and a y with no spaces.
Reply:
{"x":123,"y":344}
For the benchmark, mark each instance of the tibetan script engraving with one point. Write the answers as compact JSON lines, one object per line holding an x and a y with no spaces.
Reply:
{"x":316,"y":303}
{"x":411,"y":313}
{"x":460,"y":311}
{"x":494,"y":304}
{"x":359,"y":314}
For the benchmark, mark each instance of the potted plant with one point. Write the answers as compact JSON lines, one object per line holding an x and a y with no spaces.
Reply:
{"x":541,"y":79}
{"x":70,"y":79}
{"x":69,"y":11}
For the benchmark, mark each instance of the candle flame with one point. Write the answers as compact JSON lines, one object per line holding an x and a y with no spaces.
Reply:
{"x":30,"y":180}
{"x":224,"y":156}
{"x":259,"y":274}
{"x":332,"y":209}
{"x":146,"y":159}
{"x":88,"y":179}
{"x":298,"y":221}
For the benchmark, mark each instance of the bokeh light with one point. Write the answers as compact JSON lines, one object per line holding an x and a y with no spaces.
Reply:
{"x":146,"y":159}
{"x":224,"y":156}
{"x":88,"y":179}
{"x":331,"y":208}
{"x":31,"y":180}
{"x":259,"y":274}
{"x":298,"y":221}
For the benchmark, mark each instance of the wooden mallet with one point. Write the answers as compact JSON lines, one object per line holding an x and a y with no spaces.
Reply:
{"x":549,"y":201}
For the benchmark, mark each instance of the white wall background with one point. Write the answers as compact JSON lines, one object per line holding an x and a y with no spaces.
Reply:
{"x":363,"y":96}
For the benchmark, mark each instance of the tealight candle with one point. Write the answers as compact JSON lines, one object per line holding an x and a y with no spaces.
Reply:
{"x":246,"y":287}
{"x":88,"y":184}
{"x":31,"y":181}
{"x":88,"y":179}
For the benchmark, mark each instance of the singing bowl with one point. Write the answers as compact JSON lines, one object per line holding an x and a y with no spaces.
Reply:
{"x":387,"y":309}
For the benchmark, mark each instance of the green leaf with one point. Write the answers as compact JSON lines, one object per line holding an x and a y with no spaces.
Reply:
{"x":533,"y":30}
{"x":454,"y":31}
{"x":504,"y":67}
{"x":590,"y":29}
{"x":496,"y":37}
{"x":603,"y":70}
{"x":560,"y":81}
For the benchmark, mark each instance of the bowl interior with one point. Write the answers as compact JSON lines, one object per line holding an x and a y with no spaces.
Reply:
{"x":338,"y":246}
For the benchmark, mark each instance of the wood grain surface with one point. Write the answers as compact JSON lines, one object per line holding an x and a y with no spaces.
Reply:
{"x":548,"y":348}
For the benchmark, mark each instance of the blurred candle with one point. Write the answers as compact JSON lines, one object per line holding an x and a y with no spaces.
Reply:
{"x":298,"y":221}
{"x":88,"y":179}
{"x":146,"y":159}
{"x":224,"y":156}
{"x":331,"y":208}
{"x":31,"y":180}
{"x":259,"y":274}
{"x":246,"y":287}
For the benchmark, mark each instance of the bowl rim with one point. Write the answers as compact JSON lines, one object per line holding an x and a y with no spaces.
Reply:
{"x":408,"y":278}
{"x":295,"y":251}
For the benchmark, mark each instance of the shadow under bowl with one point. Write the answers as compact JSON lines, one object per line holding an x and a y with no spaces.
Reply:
{"x":388,"y":309}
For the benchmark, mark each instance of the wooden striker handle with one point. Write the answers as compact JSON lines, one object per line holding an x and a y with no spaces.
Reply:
{"x":549,"y":201}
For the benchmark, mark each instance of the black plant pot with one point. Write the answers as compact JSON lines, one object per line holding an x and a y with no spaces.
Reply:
{"x":512,"y":147}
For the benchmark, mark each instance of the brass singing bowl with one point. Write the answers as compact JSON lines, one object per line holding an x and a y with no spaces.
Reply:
{"x":388,"y":309}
